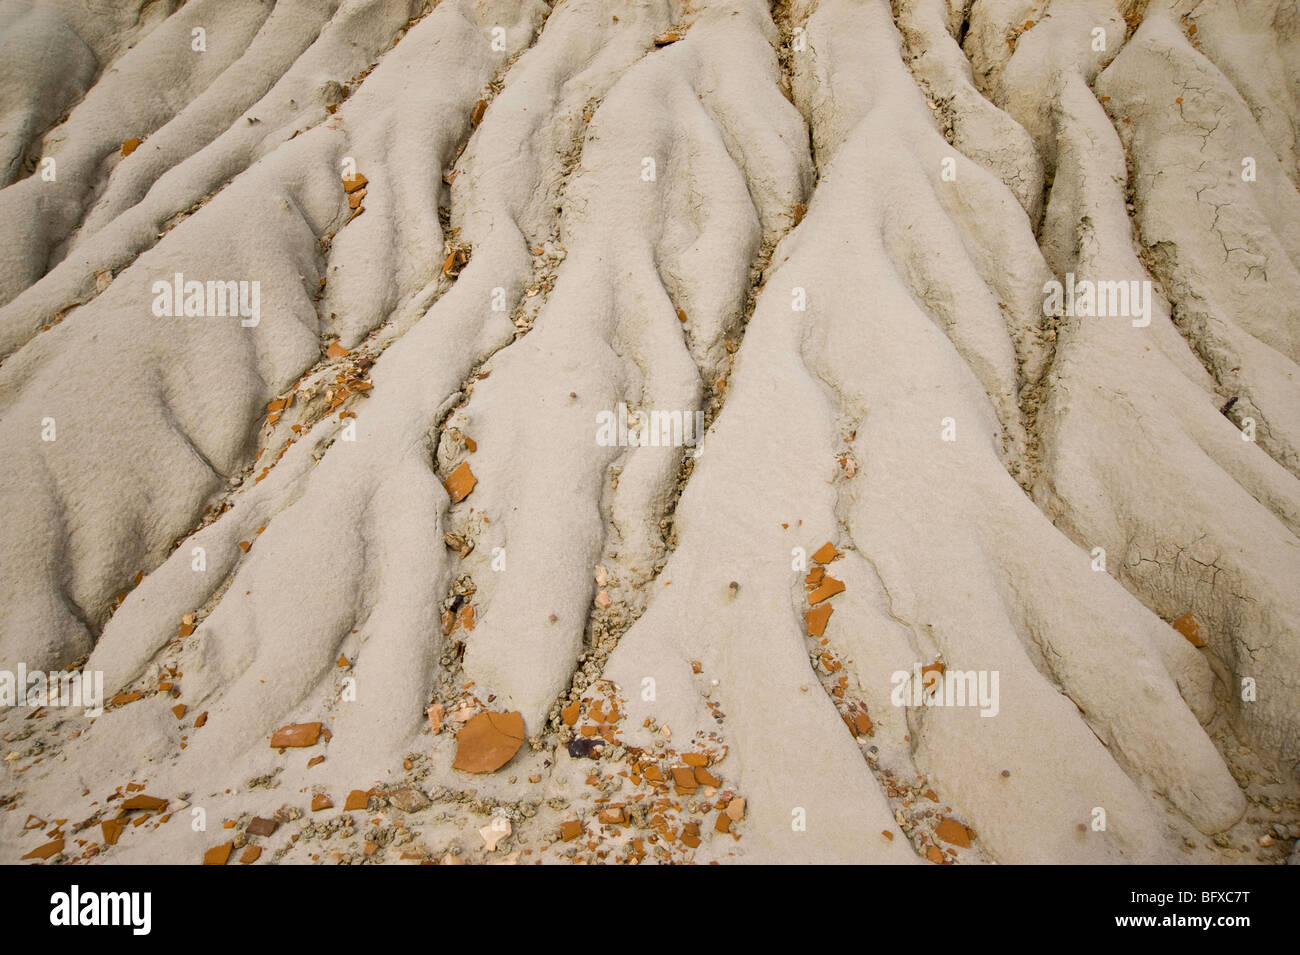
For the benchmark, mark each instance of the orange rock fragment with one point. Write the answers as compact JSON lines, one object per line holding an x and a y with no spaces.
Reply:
{"x":570,"y":829}
{"x":321,"y":802}
{"x":934,"y":855}
{"x":335,"y":351}
{"x":297,"y":734}
{"x":354,"y":182}
{"x":435,"y":714}
{"x":489,"y":741}
{"x":148,"y":803}
{"x":828,"y":589}
{"x":251,"y":854}
{"x":950,"y":830}
{"x":244,"y":546}
{"x":218,"y":855}
{"x":862,"y":725}
{"x":130,"y":145}
{"x":480,"y":108}
{"x":358,"y":799}
{"x":684,"y":777}
{"x":814,"y":577}
{"x":342,"y":661}
{"x":123,"y":698}
{"x":460,"y":482}
{"x":46,"y":850}
{"x":706,"y":778}
{"x":179,"y":710}
{"x":937,"y":668}
{"x":1189,"y":628}
{"x":722,"y":823}
{"x":826,"y":553}
{"x":816,"y":620}
{"x":112,"y":830}
{"x":887,"y":834}
{"x":695,"y":759}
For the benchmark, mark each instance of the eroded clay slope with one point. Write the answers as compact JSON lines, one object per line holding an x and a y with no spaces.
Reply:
{"x":405,"y":485}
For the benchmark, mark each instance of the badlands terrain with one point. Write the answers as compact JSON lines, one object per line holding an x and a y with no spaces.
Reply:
{"x":334,"y":334}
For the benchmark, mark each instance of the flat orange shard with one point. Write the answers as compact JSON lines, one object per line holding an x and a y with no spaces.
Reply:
{"x":488,"y":741}
{"x":460,"y":482}
{"x":950,"y":830}
{"x":816,"y":619}
{"x":826,"y":553}
{"x":828,"y":589}
{"x":148,"y":803}
{"x":298,"y":734}
{"x":45,"y":851}
{"x":1189,"y":628}
{"x":218,"y":855}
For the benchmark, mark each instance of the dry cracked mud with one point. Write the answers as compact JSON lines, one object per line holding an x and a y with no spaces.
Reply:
{"x":653,"y":431}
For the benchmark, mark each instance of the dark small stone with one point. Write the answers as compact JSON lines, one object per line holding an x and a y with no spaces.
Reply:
{"x":587,"y":747}
{"x":261,"y":827}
